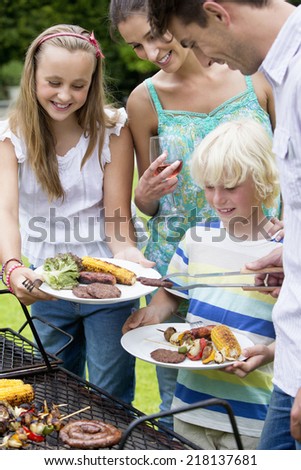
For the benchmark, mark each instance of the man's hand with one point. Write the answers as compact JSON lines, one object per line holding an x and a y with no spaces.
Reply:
{"x":296,"y":417}
{"x":277,"y":230}
{"x":272,"y":259}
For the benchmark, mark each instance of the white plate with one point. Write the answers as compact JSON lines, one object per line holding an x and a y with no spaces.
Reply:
{"x":142,"y":341}
{"x":135,"y":291}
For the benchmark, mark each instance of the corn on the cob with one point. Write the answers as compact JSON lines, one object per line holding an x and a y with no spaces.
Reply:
{"x":226,"y":342}
{"x":15,"y":391}
{"x":10,"y":382}
{"x":123,"y":275}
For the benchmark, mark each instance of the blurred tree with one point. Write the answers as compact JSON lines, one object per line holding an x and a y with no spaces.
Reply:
{"x":22,"y":20}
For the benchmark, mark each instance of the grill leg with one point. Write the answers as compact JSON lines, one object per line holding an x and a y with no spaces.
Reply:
{"x":200,"y":404}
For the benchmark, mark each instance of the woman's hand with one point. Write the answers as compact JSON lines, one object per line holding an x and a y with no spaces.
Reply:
{"x":131,"y":253}
{"x":152,"y":186}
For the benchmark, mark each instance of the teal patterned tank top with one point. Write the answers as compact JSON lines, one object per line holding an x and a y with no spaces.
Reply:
{"x":165,"y":231}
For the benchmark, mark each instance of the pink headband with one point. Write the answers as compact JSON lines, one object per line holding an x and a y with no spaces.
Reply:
{"x":91,"y":39}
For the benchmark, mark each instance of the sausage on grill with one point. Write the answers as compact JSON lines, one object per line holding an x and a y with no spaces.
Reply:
{"x":89,"y":434}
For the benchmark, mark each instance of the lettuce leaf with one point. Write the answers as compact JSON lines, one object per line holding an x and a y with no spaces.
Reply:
{"x":62,"y":271}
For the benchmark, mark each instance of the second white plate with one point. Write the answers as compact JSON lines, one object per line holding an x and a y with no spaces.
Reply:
{"x":142,"y":341}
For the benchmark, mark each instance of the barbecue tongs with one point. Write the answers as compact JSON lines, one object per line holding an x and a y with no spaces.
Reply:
{"x":185,"y":281}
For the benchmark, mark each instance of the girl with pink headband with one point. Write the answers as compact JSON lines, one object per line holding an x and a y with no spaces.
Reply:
{"x":91,"y":39}
{"x":67,"y":167}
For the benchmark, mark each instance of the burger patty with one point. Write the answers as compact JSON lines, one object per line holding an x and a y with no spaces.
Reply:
{"x":81,"y":292}
{"x":87,"y":277}
{"x":103,"y":291}
{"x":167,"y":356}
{"x":96,"y":290}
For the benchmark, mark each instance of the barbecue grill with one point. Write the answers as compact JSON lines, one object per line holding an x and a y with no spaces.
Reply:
{"x":23,"y":359}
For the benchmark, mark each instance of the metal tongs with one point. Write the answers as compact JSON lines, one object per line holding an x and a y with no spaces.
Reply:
{"x":185,"y":280}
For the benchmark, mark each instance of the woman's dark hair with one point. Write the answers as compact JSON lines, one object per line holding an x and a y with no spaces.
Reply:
{"x":120,"y":10}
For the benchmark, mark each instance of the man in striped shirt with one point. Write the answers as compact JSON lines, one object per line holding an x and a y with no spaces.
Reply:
{"x":249,"y":35}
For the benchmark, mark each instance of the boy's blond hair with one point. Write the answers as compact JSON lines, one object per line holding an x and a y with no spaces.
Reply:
{"x":232,"y":152}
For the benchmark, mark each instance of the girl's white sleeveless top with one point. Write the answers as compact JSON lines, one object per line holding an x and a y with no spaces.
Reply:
{"x":75,"y":224}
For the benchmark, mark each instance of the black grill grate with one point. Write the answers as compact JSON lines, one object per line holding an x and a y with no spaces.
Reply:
{"x":61,"y":387}
{"x":18,"y":354}
{"x":20,"y":358}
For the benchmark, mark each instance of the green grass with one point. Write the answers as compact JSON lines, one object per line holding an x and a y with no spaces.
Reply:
{"x":147,"y":397}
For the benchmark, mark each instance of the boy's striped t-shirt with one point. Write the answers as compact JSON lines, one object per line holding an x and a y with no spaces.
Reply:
{"x":210,"y":249}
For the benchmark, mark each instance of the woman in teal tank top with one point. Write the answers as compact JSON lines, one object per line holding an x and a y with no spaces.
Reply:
{"x":189,"y":199}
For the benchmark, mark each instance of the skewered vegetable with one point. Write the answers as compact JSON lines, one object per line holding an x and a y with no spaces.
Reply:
{"x":219,"y":357}
{"x":196,"y":351}
{"x":16,"y":440}
{"x":123,"y":275}
{"x":31,"y":422}
{"x":4,"y":417}
{"x":208,"y":353}
{"x":32,"y":436}
{"x":169,"y":332}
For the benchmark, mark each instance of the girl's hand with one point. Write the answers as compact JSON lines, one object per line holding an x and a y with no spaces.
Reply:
{"x":257,"y":356}
{"x":17,"y":277}
{"x":131,"y":253}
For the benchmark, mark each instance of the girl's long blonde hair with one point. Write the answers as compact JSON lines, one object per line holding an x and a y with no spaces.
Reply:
{"x":29,"y":121}
{"x":233,"y":151}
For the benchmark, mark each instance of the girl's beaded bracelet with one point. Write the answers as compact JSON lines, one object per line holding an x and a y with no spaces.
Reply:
{"x":7,"y":280}
{"x":4,"y":266}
